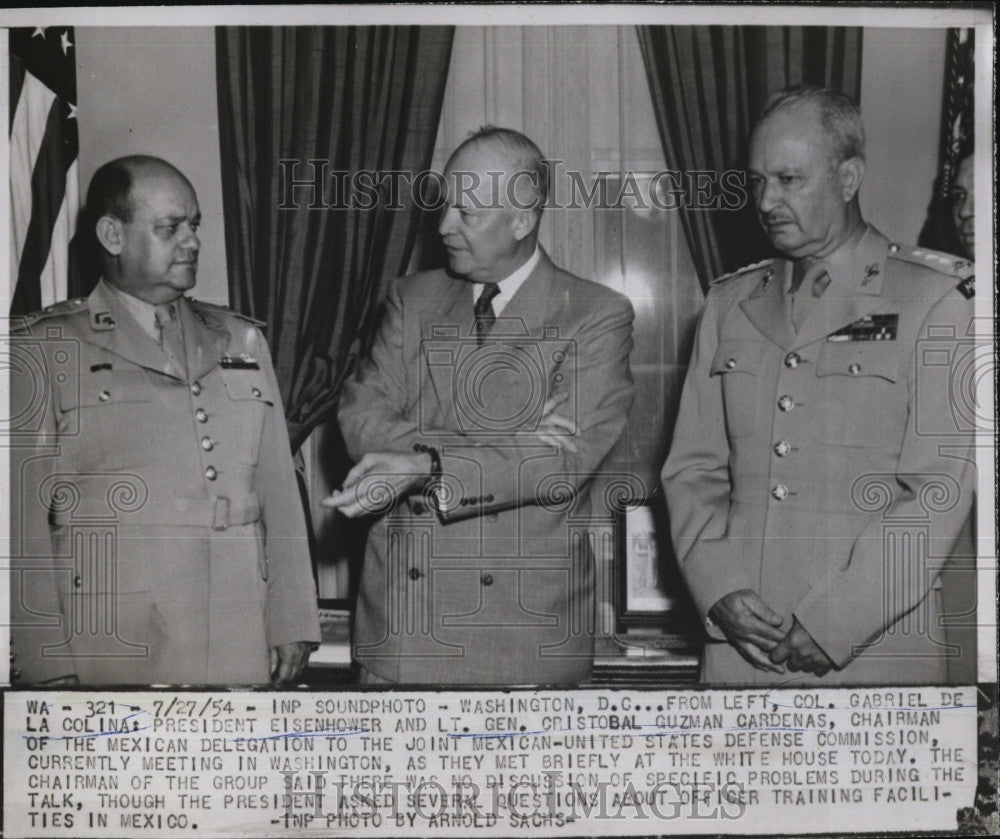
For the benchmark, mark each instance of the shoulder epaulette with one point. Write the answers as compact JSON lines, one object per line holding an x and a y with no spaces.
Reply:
{"x":63,"y":307}
{"x":215,"y":308}
{"x":943,"y":263}
{"x":740,"y":271}
{"x":967,"y":287}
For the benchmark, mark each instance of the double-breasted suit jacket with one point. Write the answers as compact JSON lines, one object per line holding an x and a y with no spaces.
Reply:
{"x":830,"y":470}
{"x":492,"y":582}
{"x":157,"y":523}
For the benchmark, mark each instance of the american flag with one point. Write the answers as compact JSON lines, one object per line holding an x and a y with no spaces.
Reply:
{"x":44,"y":147}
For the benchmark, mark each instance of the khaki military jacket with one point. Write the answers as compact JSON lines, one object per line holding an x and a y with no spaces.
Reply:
{"x":830,"y":470}
{"x":157,"y":529}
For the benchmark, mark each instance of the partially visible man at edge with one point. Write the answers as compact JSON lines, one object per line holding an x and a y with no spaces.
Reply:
{"x":963,"y":205}
{"x":816,"y":416}
{"x":162,"y":414}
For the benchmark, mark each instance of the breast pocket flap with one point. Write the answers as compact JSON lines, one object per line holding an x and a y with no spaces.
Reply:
{"x":737,"y":357}
{"x":247,"y":385}
{"x":859,"y":359}
{"x":105,"y":388}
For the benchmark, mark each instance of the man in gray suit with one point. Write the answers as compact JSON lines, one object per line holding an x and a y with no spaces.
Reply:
{"x":491,"y":395}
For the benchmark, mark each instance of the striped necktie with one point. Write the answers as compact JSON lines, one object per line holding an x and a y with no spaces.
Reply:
{"x":485,"y":316}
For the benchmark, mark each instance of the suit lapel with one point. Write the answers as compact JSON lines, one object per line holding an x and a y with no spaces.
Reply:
{"x":520,"y":325}
{"x":446,"y":330}
{"x":113,"y":328}
{"x":525,"y":312}
{"x":766,"y":307}
{"x":852,"y":296}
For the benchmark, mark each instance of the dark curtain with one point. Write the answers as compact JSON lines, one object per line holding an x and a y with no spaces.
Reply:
{"x":312,"y":262}
{"x":957,"y":123}
{"x":708,"y":84}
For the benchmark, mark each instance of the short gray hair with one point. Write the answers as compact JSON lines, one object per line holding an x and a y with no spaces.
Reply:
{"x":523,"y":154}
{"x":838,"y":112}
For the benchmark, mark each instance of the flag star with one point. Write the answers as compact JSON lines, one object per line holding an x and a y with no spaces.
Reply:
{"x":65,"y":43}
{"x":39,"y":32}
{"x":72,"y":111}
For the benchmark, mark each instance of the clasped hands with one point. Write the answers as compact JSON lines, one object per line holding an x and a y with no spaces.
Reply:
{"x":288,"y":661}
{"x":380,"y":478}
{"x":755,"y":631}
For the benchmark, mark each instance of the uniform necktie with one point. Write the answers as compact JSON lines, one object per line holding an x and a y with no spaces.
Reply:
{"x":485,"y":316}
{"x":171,"y":337}
{"x":810,"y":280}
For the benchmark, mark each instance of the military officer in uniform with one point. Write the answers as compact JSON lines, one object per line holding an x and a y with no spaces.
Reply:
{"x":157,"y":526}
{"x":820,"y":474}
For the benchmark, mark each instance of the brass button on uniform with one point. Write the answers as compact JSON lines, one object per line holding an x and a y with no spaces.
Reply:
{"x":792,"y":360}
{"x":207,"y":444}
{"x":256,"y":391}
{"x":786,"y":403}
{"x":854,"y":369}
{"x":211,"y":473}
{"x":781,"y":448}
{"x":414,"y":573}
{"x":487,"y":579}
{"x":779,"y":492}
{"x":196,"y":388}
{"x":200,"y":415}
{"x":104,"y":395}
{"x":730,"y":363}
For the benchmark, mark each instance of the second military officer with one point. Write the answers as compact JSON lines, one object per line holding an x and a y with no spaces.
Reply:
{"x":160,"y":536}
{"x":821,"y":472}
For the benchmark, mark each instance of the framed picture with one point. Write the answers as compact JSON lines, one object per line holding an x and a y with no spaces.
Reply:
{"x":649,"y":590}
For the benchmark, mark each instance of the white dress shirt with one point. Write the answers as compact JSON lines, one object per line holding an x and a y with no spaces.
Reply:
{"x":508,"y":285}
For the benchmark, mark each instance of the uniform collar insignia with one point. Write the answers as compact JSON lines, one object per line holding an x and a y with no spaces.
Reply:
{"x":203,"y":313}
{"x":102,"y":321}
{"x":764,"y":284}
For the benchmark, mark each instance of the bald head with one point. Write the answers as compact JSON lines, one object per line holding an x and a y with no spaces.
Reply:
{"x":110,"y":190}
{"x":145,"y":216}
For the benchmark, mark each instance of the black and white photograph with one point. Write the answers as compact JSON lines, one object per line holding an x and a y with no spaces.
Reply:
{"x":499,"y":420}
